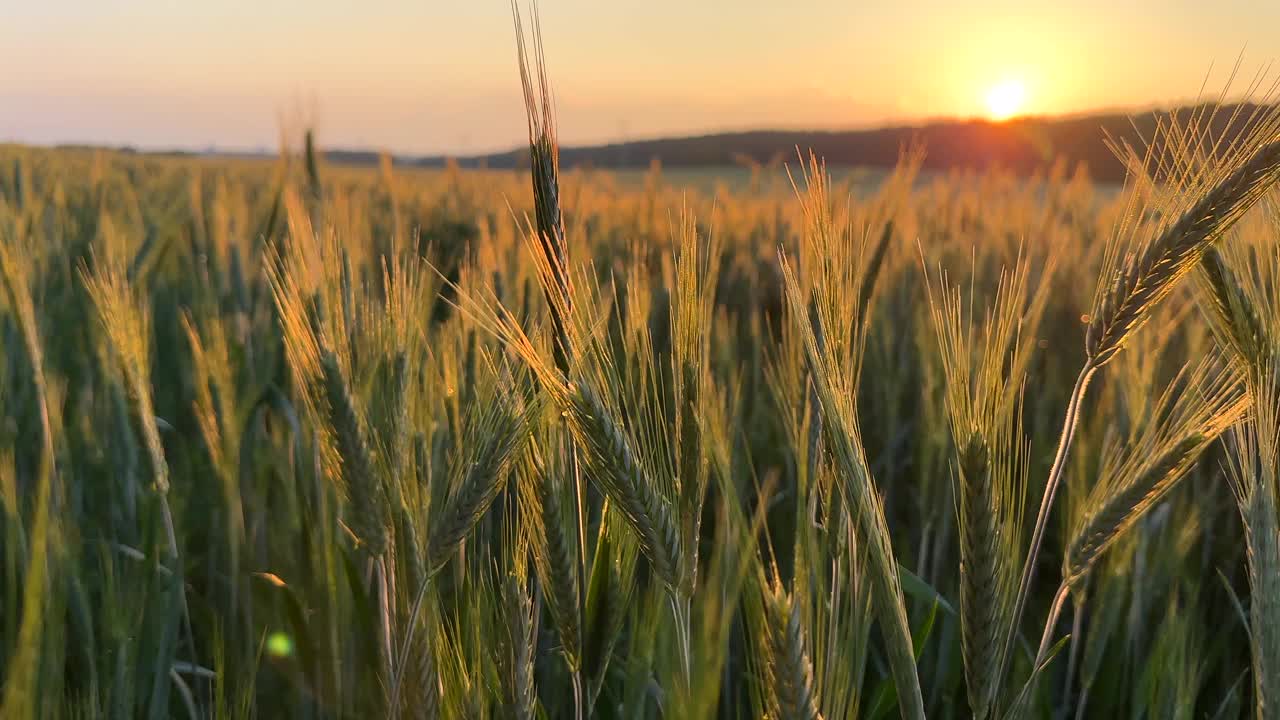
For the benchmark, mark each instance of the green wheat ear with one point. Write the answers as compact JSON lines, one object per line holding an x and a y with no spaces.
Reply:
{"x":609,"y":452}
{"x":21,"y":694}
{"x":542,"y":493}
{"x":788,"y":663}
{"x":497,"y":429}
{"x":366,"y":491}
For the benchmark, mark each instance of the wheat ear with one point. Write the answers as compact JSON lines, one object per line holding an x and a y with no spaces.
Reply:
{"x":858,"y":491}
{"x":494,"y":439}
{"x":1232,"y":314}
{"x":365,"y":492}
{"x":554,"y":557}
{"x":608,"y":452}
{"x":984,"y":367}
{"x":1256,"y":446}
{"x":1151,"y":274}
{"x":790,"y":669}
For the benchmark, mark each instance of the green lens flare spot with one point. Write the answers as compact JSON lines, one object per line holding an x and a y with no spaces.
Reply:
{"x":279,"y":645}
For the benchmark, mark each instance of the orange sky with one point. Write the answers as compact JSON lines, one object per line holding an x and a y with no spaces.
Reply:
{"x":439,"y":76}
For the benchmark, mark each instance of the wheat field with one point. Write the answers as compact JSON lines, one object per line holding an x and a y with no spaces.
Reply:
{"x":294,"y":439}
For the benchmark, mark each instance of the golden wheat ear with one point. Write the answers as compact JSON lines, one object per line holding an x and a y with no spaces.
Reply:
{"x":984,"y":366}
{"x":1252,"y":469}
{"x":1203,"y":194}
{"x":834,"y":355}
{"x":1191,"y":414}
{"x":551,"y":251}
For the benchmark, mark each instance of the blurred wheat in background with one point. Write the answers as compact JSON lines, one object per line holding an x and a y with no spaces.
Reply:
{"x":298,"y":439}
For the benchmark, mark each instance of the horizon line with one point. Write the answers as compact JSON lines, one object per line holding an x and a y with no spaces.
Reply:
{"x":918,"y":122}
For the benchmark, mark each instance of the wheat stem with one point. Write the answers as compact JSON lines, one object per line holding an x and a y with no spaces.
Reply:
{"x":1055,"y":612}
{"x":1073,"y":653}
{"x":1069,"y":423}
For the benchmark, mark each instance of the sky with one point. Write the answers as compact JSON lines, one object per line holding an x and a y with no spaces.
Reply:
{"x":440,"y":77}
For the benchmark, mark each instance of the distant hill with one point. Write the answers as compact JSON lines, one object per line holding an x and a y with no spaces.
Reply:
{"x":1022,"y":145}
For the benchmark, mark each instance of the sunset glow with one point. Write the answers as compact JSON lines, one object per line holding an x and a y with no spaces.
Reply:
{"x":1006,"y":99}
{"x":432,"y":77}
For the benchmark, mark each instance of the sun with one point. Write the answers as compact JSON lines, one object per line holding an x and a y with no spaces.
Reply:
{"x":1005,"y":99}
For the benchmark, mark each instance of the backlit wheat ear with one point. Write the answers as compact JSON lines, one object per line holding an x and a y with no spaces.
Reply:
{"x":984,"y":366}
{"x":498,"y":429}
{"x":691,"y":316}
{"x":287,"y":273}
{"x":1207,"y":192}
{"x":1238,"y":290}
{"x":14,"y":274}
{"x":544,"y":159}
{"x":833,"y":368}
{"x":551,"y":255}
{"x":22,"y":684}
{"x":834,"y":364}
{"x":867,"y":283}
{"x":1255,"y":457}
{"x":1232,"y":314}
{"x":1187,"y":419}
{"x":1216,"y":197}
{"x":605,"y":447}
{"x":127,"y":323}
{"x":615,"y":467}
{"x":366,"y":493}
